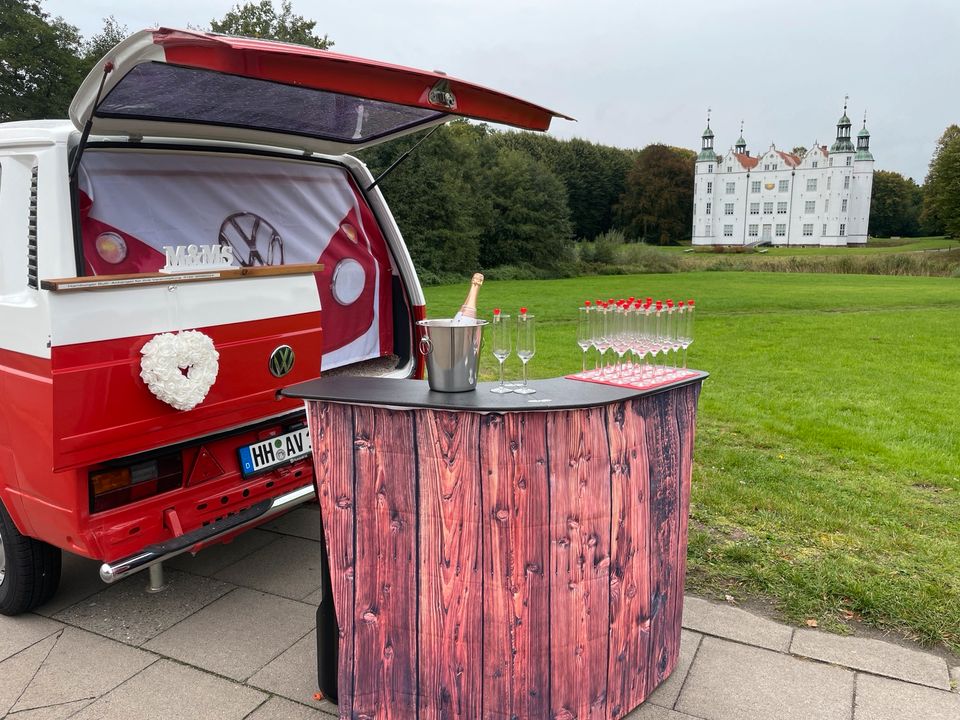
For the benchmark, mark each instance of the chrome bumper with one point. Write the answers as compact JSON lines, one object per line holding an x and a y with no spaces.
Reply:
{"x":111,"y":572}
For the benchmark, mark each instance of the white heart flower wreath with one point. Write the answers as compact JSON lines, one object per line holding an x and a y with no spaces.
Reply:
{"x":180,"y":368}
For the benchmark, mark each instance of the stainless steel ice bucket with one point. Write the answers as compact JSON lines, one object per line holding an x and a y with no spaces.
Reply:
{"x":452,"y":353}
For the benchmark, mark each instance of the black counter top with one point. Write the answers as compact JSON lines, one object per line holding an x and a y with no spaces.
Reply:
{"x":552,"y":394}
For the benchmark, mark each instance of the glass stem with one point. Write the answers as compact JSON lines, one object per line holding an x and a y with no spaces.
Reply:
{"x":583,"y":364}
{"x":524,"y":373}
{"x":501,"y":373}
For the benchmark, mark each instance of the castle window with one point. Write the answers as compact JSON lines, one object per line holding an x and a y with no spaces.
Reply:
{"x":828,"y":181}
{"x":710,"y":168}
{"x":826,"y":206}
{"x":709,"y":207}
{"x":808,"y":230}
{"x":849,"y":159}
{"x":824,"y":232}
{"x":728,"y":209}
{"x":754,"y":208}
{"x":810,"y":207}
{"x":731,"y":188}
{"x":815,"y":163}
{"x":846,"y":183}
{"x":843,"y":205}
{"x":843,"y":229}
{"x":831,"y":162}
{"x":729,"y":168}
{"x":811,"y":184}
{"x":781,"y":229}
{"x":755,"y":186}
{"x":753,"y":230}
{"x":781,"y":208}
{"x":784,"y":185}
{"x":728,"y":230}
{"x":709,"y":187}
{"x":768,"y":208}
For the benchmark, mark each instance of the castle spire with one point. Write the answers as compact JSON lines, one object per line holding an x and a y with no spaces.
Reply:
{"x":741,"y":146}
{"x":843,"y":143}
{"x":706,"y":147}
{"x":863,"y":142}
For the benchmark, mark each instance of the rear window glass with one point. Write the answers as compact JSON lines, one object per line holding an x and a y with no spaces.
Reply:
{"x":158,"y":91}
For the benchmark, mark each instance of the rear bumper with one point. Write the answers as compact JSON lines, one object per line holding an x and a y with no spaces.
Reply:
{"x":153,"y":554}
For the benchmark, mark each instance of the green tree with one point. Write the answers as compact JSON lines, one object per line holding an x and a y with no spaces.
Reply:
{"x":799,"y":151}
{"x":435,"y":197}
{"x":262,"y":20}
{"x":103,"y":42}
{"x":657,"y":204}
{"x":39,"y":65}
{"x":894,"y":205}
{"x":530,"y":220}
{"x":594,"y":175}
{"x":941,"y":190}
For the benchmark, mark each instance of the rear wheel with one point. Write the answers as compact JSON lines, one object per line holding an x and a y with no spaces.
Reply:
{"x":29,"y":569}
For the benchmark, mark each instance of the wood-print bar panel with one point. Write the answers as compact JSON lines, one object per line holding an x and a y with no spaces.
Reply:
{"x":331,"y":436}
{"x":516,"y":566}
{"x":385,"y":604}
{"x":687,"y":421}
{"x":516,"y":599}
{"x":451,"y":560}
{"x":579,"y":462}
{"x":663,"y":450}
{"x":630,"y":558}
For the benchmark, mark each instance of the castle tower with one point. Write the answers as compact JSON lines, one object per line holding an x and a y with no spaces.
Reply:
{"x":741,"y":147}
{"x":703,"y":211}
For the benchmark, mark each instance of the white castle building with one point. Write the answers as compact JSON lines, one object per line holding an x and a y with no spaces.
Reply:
{"x":822,"y":198}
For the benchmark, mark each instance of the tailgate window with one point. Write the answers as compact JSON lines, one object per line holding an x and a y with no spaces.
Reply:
{"x":269,"y":211}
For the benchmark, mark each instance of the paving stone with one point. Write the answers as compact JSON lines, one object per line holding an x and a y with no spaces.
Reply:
{"x":17,"y":671}
{"x":17,"y":633}
{"x":215,"y":558}
{"x":280,"y":709}
{"x":293,"y":674}
{"x":314,"y":598}
{"x":655,"y":712}
{"x":238,"y":634}
{"x":81,"y":666}
{"x":304,"y":522}
{"x":874,"y":656}
{"x":169,"y":691}
{"x":128,"y":613}
{"x":729,"y":681}
{"x":666,"y":695}
{"x":884,"y":699}
{"x":735,"y":624}
{"x":79,"y":579}
{"x":289,"y":567}
{"x":60,"y":711}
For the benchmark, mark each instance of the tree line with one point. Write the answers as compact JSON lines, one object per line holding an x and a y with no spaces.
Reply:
{"x":527,"y":204}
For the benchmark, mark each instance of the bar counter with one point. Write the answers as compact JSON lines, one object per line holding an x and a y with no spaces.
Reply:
{"x":502,"y":556}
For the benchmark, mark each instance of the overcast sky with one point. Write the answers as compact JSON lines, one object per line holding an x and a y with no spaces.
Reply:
{"x":634,"y":72}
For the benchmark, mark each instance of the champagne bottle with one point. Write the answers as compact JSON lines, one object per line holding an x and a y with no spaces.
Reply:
{"x":468,"y":311}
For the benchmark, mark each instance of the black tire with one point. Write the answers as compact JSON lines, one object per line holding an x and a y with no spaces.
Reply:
{"x":29,"y":569}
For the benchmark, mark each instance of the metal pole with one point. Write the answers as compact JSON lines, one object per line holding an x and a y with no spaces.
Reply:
{"x":157,"y":583}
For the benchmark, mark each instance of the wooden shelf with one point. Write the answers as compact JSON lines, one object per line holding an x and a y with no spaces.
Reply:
{"x":110,"y":282}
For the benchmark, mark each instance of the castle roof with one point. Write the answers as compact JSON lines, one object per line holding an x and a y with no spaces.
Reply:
{"x":746,"y":162}
{"x":789,"y":158}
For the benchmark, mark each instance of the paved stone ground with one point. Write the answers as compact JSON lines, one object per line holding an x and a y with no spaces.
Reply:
{"x":233,"y":639}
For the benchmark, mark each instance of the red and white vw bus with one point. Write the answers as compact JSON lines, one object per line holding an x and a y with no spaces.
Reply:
{"x":194,"y":238}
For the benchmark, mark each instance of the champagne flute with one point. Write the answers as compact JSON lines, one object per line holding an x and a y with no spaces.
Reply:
{"x":687,"y":339}
{"x":585,"y":334}
{"x":501,"y":338}
{"x":526,"y":347}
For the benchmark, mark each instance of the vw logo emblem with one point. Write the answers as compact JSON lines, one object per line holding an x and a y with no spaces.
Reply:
{"x":281,"y":360}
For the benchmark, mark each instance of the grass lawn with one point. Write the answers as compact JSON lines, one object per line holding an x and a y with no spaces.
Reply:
{"x":827,"y":471}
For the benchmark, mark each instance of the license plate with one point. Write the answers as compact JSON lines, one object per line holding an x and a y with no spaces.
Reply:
{"x":278,"y":450}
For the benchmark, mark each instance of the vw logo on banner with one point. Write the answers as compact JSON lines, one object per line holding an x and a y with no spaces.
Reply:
{"x":281,"y":360}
